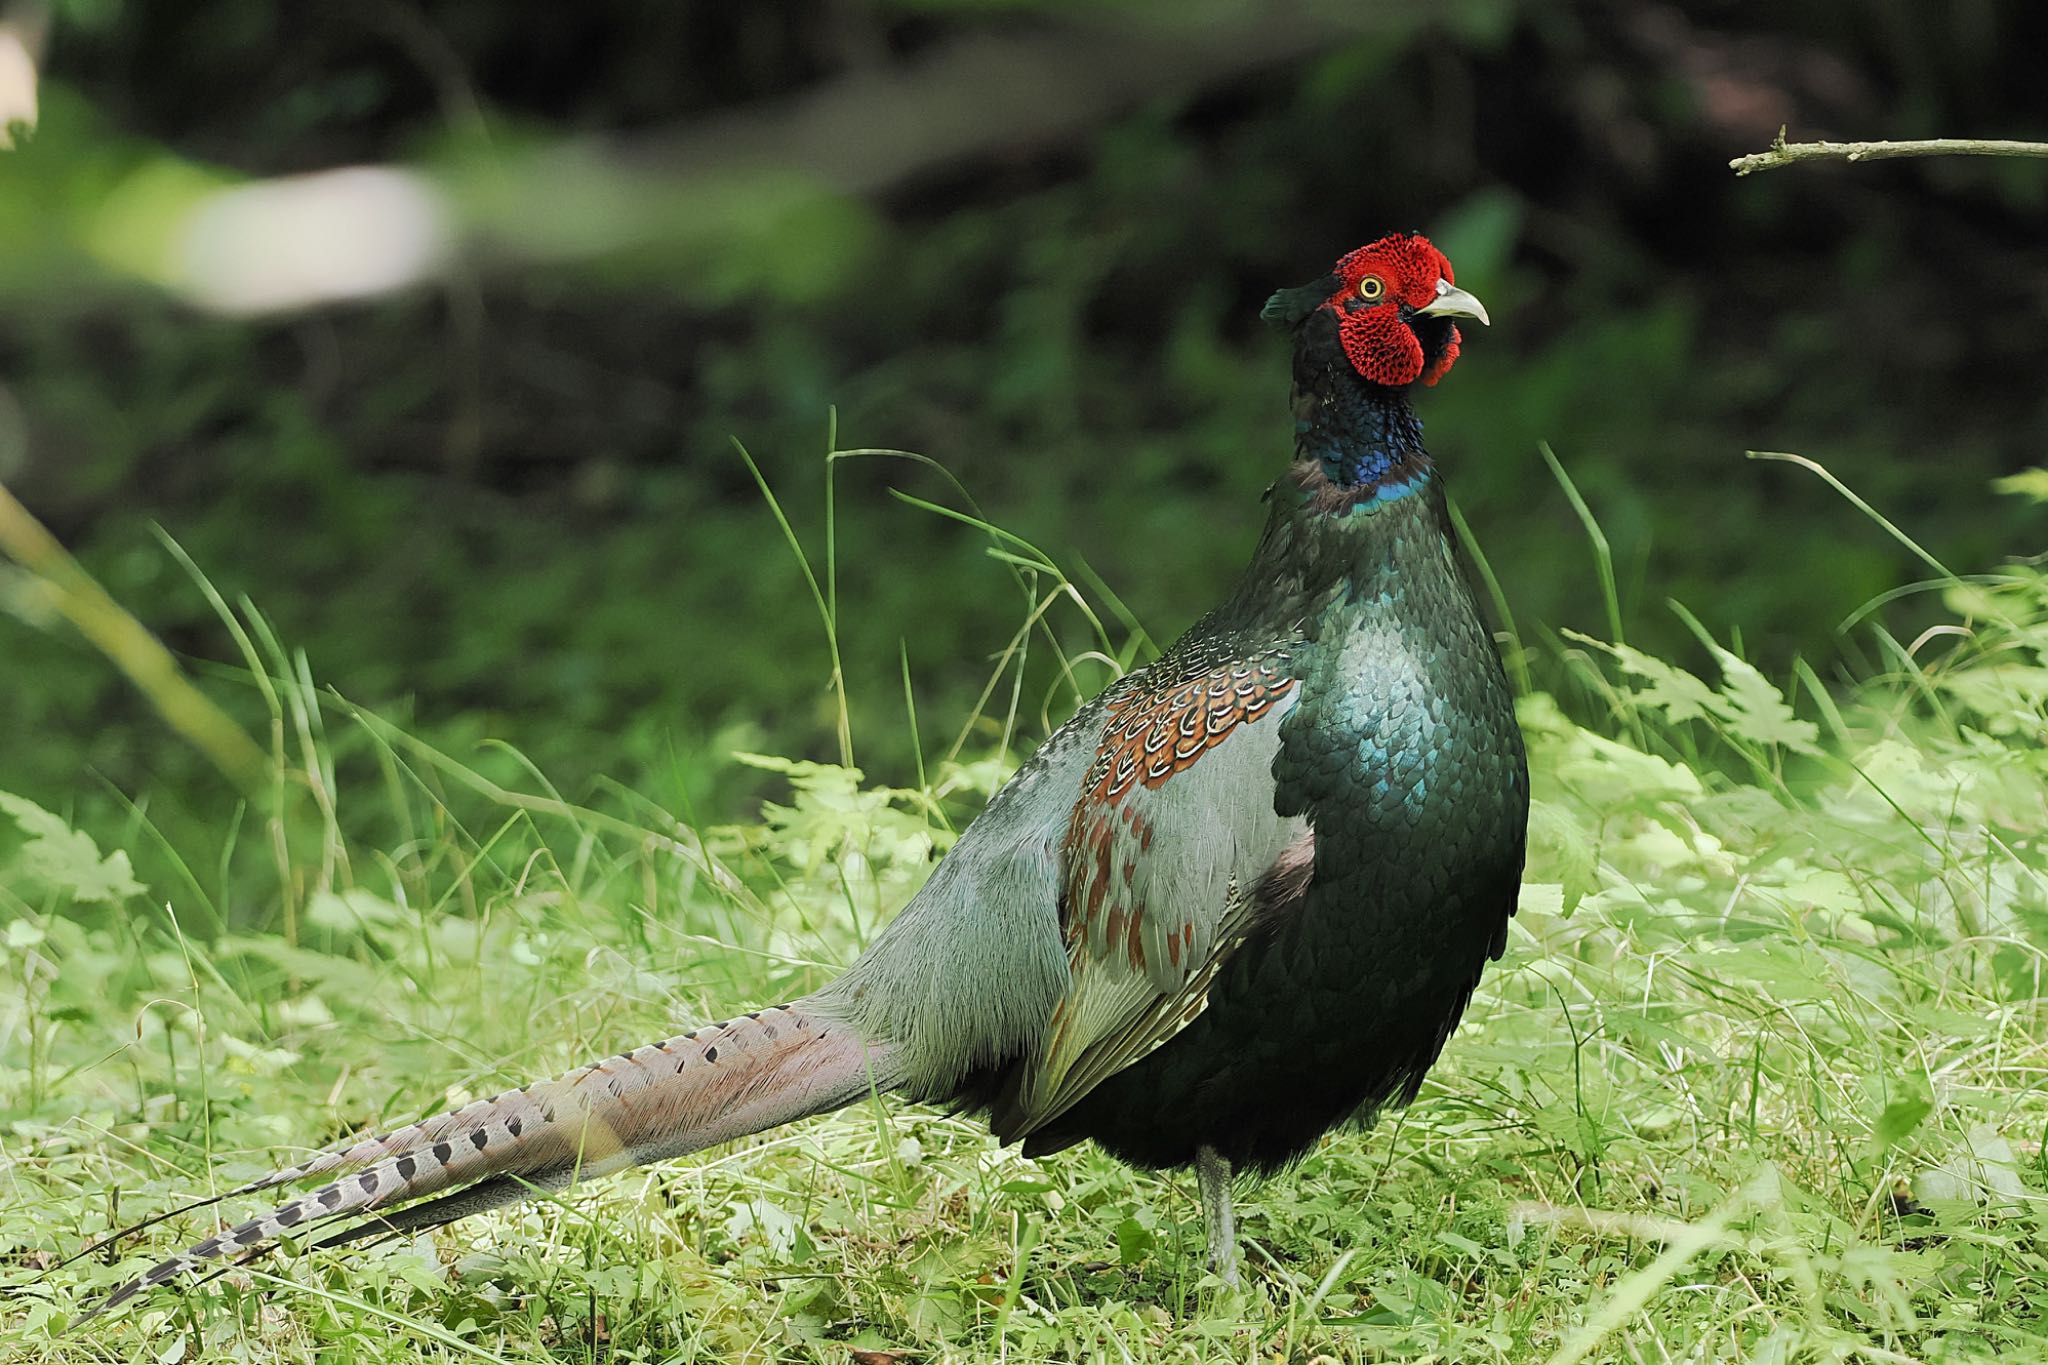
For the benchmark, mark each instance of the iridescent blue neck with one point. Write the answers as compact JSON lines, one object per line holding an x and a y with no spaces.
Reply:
{"x":1365,"y":438}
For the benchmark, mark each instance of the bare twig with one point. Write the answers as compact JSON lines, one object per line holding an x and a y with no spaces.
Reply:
{"x":1783,"y":153}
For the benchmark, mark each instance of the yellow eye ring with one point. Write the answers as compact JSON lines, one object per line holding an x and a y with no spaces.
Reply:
{"x":1372,"y":288}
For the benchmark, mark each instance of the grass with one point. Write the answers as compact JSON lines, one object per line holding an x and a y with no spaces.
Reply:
{"x":1760,"y":1078}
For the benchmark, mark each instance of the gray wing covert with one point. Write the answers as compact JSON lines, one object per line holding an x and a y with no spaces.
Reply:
{"x":1173,"y":829}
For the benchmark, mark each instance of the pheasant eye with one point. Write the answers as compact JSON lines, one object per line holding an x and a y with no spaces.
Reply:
{"x":1371,"y":288}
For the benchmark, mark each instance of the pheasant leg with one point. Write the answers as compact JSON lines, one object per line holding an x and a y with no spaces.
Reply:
{"x":1217,"y":1215}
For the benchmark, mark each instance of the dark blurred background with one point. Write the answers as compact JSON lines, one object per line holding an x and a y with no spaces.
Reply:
{"x":464,"y":432}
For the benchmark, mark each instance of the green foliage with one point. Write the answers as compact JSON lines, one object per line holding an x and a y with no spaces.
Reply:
{"x":2031,"y":484}
{"x":514,"y":495}
{"x":54,"y":860}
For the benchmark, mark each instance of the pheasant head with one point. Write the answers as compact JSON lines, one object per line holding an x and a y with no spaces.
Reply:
{"x":1392,"y":302}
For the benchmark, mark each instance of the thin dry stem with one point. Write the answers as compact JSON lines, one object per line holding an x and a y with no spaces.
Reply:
{"x":130,"y":647}
{"x":1783,"y":153}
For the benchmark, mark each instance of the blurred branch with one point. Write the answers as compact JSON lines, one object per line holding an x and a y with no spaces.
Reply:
{"x":876,"y":126}
{"x":1783,"y":153}
{"x":130,"y":647}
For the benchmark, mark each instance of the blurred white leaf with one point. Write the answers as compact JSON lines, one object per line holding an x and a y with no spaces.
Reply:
{"x":17,"y":83}
{"x":311,"y":239}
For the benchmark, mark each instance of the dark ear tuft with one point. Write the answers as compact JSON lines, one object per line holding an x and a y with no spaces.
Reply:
{"x":1288,"y":307}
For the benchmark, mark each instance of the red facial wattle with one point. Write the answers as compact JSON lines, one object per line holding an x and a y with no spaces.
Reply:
{"x":1445,"y":358}
{"x":1380,"y":346}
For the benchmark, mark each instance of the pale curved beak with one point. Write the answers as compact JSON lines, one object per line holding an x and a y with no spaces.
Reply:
{"x":1453,"y":302}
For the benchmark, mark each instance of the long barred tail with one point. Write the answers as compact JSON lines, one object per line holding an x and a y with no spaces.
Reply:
{"x":694,"y":1090}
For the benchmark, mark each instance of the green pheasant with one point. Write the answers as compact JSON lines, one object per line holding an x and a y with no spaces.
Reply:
{"x":1243,"y":894}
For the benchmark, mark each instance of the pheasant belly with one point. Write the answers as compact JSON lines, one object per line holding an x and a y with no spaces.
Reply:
{"x":1299,"y":1036}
